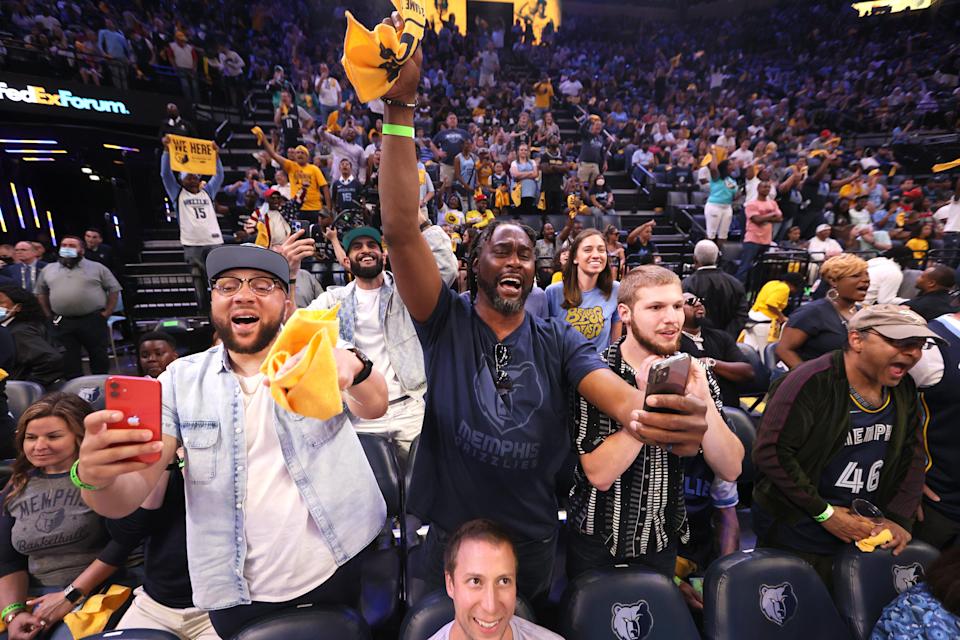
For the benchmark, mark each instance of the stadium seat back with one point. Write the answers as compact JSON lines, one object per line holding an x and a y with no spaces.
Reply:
{"x":768,"y":594}
{"x":308,"y":623}
{"x":20,"y":395}
{"x":864,"y":583}
{"x":747,"y":432}
{"x":383,"y":460}
{"x":90,"y":388}
{"x":761,"y":375}
{"x":435,"y":609}
{"x":134,"y":634}
{"x":625,"y":602}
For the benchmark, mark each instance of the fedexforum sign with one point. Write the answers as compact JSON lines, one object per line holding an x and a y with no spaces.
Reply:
{"x":48,"y":101}
{"x":62,"y":98}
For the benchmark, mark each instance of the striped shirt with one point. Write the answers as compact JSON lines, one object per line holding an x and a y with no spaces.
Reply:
{"x":643,"y":511}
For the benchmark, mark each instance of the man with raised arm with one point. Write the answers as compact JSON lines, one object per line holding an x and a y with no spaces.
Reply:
{"x":498,"y":379}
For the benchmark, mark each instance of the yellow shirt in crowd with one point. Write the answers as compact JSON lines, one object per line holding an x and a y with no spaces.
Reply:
{"x":774,"y":294}
{"x":309,"y":175}
{"x":543,"y":91}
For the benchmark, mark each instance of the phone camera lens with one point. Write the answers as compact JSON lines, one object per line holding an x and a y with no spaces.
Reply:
{"x":114,"y":385}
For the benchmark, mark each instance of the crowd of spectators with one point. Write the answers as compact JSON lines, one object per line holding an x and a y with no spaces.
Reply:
{"x":765,"y":118}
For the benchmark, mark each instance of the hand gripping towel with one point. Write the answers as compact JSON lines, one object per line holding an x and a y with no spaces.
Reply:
{"x":372,"y":59}
{"x":311,"y":387}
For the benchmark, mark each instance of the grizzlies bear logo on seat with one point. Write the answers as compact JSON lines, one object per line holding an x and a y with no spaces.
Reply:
{"x":778,"y":603}
{"x":907,"y":576}
{"x":631,"y":621}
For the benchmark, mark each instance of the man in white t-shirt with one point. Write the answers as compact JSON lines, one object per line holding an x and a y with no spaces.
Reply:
{"x":949,"y":216}
{"x":279,"y":506}
{"x":374,"y":319}
{"x":822,"y":246}
{"x":329,"y":93}
{"x":480,"y":568}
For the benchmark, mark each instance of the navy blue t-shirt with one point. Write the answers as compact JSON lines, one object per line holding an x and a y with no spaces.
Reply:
{"x":826,"y":330}
{"x":490,"y":454}
{"x":853,"y":472}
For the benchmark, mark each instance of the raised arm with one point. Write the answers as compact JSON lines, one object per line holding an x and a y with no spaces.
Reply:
{"x":213,"y":186}
{"x":414,"y":267}
{"x":170,"y":184}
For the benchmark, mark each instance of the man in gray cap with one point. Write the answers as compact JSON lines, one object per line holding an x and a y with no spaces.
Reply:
{"x":278,"y":505}
{"x":840,"y":431}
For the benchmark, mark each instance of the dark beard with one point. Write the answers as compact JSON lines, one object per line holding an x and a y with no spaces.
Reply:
{"x":69,"y":263}
{"x":263,"y":339}
{"x":502,"y":305}
{"x":367,"y":273}
{"x":652,"y":347}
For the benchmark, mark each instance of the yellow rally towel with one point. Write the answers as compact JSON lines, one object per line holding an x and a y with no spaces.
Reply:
{"x":332,"y":124}
{"x":867,"y":545}
{"x":817,"y":152}
{"x":501,"y":198}
{"x":93,"y":616}
{"x":372,"y":59}
{"x":311,"y":388}
{"x":946,"y":166}
{"x":257,"y":131}
{"x":192,"y":155}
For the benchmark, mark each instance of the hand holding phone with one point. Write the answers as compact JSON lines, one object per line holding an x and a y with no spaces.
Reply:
{"x":674,"y":411}
{"x":668,"y":376}
{"x":138,"y":399}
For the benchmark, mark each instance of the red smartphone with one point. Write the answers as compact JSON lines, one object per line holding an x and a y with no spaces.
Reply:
{"x":139,"y":401}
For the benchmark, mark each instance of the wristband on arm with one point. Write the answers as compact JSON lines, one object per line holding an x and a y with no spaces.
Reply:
{"x":826,"y":515}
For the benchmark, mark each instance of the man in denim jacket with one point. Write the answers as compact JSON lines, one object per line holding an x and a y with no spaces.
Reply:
{"x":278,"y":505}
{"x":375,"y":320}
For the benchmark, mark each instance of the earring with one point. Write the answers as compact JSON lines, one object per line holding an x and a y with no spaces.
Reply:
{"x":832,"y":294}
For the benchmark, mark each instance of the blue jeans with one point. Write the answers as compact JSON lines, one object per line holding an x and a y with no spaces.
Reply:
{"x":750,"y":252}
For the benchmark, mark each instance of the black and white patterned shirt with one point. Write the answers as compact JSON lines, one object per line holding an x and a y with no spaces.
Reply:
{"x":643,"y":511}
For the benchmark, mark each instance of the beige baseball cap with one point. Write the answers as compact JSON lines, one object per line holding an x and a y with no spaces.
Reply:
{"x":892,"y":321}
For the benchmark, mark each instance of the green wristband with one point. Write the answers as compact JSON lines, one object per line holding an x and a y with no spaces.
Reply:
{"x":77,"y":482}
{"x":401,"y":130}
{"x":826,"y":515}
{"x":10,"y":608}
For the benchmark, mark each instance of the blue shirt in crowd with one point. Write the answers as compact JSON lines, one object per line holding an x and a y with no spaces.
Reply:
{"x":593,"y":318}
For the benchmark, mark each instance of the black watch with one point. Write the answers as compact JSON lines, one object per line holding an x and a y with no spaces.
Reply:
{"x":367,"y":367}
{"x":72,"y":595}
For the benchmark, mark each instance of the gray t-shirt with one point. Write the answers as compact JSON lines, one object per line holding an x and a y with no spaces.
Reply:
{"x":57,"y":532}
{"x":79,"y":291}
{"x":522,"y":630}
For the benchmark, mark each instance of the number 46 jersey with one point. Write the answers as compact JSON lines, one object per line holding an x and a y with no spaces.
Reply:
{"x":198,"y":219}
{"x":854,"y":472}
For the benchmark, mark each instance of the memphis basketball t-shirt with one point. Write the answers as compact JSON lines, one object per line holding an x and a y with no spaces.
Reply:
{"x":489,"y":452}
{"x":592,"y":318}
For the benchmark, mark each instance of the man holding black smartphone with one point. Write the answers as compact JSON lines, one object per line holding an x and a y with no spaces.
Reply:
{"x":626,"y":505}
{"x":269,"y":523}
{"x":498,"y":379}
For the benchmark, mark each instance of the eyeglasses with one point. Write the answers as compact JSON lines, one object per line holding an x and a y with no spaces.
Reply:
{"x":501,"y":358}
{"x":694,"y":301}
{"x":904,"y":344}
{"x":229,"y":286}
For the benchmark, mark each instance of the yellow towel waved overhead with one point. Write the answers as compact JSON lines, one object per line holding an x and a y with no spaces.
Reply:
{"x":372,"y":59}
{"x":311,"y":387}
{"x":946,"y":166}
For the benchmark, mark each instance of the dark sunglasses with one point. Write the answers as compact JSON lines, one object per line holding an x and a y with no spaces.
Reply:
{"x":501,"y":359}
{"x":904,"y":344}
{"x":694,"y":301}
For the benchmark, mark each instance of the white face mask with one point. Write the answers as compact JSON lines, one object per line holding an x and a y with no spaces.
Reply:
{"x":600,"y":183}
{"x":68,"y":252}
{"x":3,"y":313}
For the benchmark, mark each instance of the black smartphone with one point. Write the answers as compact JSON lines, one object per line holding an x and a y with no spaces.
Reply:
{"x":668,"y":376}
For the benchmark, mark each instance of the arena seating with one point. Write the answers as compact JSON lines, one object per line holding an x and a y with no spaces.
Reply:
{"x":20,"y":395}
{"x":630,"y":602}
{"x":134,"y":634}
{"x":308,"y":623}
{"x":768,"y":594}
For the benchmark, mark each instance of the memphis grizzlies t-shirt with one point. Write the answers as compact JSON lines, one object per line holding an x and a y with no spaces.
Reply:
{"x":489,"y":453}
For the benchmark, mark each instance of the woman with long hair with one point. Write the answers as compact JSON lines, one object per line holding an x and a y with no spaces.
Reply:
{"x":51,"y":542}
{"x":820,"y":326}
{"x":37,"y":360}
{"x":587,"y":297}
{"x":616,"y":255}
{"x":526,"y":172}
